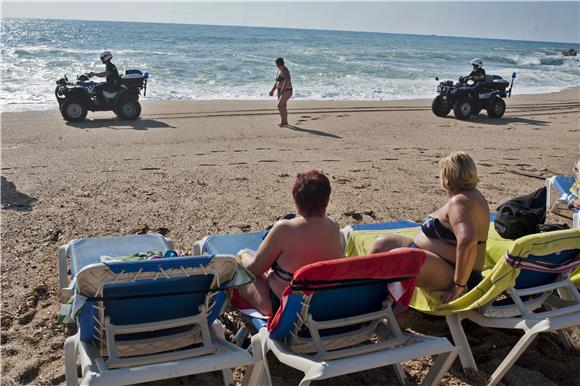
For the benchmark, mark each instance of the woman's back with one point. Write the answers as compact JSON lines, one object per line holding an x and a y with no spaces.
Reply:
{"x":304,"y":240}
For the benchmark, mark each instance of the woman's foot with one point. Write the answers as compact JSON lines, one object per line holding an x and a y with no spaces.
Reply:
{"x":283,"y":124}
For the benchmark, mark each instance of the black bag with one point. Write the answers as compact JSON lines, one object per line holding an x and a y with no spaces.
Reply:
{"x":541,"y":228}
{"x":522,"y":215}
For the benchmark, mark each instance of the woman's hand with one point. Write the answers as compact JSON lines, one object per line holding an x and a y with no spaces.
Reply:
{"x":452,"y":294}
{"x":271,"y":92}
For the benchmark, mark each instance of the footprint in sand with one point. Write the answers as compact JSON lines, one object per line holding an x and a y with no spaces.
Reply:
{"x":207,"y":165}
{"x":150,"y":168}
{"x":300,"y":162}
{"x":262,"y":148}
{"x":238,"y":163}
{"x":239,"y":151}
{"x":199,"y":153}
{"x":484,"y":164}
{"x":268,"y":160}
{"x":217,"y":151}
{"x":330,"y":160}
{"x":305,"y":116}
{"x":389,"y":159}
{"x":316,"y":118}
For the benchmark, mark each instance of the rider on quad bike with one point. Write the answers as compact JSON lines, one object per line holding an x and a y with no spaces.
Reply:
{"x":473,"y":93}
{"x":477,"y":75}
{"x":112,"y":76}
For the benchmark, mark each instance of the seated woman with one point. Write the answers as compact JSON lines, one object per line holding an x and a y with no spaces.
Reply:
{"x":454,"y":236}
{"x":292,"y":244}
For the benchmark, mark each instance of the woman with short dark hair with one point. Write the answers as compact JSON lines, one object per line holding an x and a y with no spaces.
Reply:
{"x":283,"y":86}
{"x":292,"y":244}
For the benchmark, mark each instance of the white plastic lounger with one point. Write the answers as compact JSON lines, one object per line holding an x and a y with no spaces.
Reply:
{"x":154,"y":319}
{"x":334,"y":322}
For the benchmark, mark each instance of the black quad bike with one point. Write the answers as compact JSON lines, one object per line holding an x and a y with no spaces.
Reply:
{"x":465,"y":100}
{"x":75,"y":99}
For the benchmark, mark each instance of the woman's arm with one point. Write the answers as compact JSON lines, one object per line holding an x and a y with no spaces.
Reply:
{"x":268,"y":251}
{"x":465,"y":231}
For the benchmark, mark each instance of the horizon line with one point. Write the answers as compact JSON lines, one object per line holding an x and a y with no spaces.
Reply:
{"x":290,"y":28}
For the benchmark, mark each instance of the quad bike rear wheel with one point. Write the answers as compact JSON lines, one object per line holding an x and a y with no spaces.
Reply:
{"x":496,"y":108}
{"x":128,"y":109}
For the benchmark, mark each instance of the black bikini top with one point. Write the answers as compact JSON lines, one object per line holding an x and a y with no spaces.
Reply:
{"x":433,"y":229}
{"x":281,"y":272}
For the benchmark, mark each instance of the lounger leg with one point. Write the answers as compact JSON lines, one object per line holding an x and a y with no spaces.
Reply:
{"x":400,"y":373}
{"x":460,"y":340}
{"x":439,"y":368}
{"x":258,"y":374}
{"x":228,"y":378}
{"x":70,"y":360}
{"x":512,"y":357}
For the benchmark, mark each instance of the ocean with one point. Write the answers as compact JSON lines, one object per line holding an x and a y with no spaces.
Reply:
{"x":221,"y":62}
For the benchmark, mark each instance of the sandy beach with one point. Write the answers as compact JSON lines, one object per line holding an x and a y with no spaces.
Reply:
{"x":187,"y":169}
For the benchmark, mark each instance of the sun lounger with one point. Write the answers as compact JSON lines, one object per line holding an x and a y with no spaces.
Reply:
{"x":82,"y":252}
{"x":533,"y":272}
{"x":336,"y":318}
{"x":153,"y":319}
{"x":563,"y":184}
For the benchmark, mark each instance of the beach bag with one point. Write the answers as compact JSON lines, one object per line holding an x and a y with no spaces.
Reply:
{"x":541,"y":228}
{"x":521,"y":216}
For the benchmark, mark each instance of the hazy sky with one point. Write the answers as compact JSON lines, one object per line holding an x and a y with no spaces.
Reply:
{"x":520,"y":20}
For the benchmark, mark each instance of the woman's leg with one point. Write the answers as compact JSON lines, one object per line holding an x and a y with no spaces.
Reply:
{"x":436,"y":274}
{"x":390,"y":242}
{"x":257,"y":294}
{"x":282,"y":106}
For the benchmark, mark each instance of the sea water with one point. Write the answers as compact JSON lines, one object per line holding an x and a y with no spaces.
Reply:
{"x":221,"y":62}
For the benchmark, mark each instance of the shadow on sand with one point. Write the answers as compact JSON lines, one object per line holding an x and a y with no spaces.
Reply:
{"x":484,"y":120}
{"x":313,"y":132}
{"x":13,"y":199}
{"x":117,"y":124}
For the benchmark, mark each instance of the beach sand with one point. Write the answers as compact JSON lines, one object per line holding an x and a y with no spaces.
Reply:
{"x":192,"y":168}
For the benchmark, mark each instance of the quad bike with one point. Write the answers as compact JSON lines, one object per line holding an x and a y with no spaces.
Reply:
{"x":76,"y":99}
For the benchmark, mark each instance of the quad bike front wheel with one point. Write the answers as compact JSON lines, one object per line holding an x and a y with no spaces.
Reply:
{"x":463,"y":109}
{"x":439,"y":107}
{"x":496,"y":108}
{"x":128,"y":109}
{"x":73,"y":110}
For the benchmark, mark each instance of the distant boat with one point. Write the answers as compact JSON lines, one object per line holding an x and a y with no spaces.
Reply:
{"x":570,"y":52}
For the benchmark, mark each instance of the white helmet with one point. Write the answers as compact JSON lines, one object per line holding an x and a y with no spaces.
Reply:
{"x":477,"y":62}
{"x":106,"y":56}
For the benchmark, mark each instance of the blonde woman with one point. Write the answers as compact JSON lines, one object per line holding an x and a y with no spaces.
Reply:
{"x":454,"y":236}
